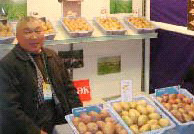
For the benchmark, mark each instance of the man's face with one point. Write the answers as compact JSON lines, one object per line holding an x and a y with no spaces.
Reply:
{"x":30,"y":36}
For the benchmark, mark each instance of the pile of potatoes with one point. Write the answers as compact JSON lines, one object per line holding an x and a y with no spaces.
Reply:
{"x":179,"y":105}
{"x":140,"y":22}
{"x":5,"y":30}
{"x":97,"y":123}
{"x":140,"y":116}
{"x":77,"y":24}
{"x":47,"y":27}
{"x":110,"y":23}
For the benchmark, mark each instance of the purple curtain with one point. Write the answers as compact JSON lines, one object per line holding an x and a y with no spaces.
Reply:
{"x":169,"y":11}
{"x":171,"y":55}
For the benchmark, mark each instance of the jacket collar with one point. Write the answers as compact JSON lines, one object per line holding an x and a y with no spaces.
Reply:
{"x":23,"y":55}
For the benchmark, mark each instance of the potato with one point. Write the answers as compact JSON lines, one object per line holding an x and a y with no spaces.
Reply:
{"x":109,"y":128}
{"x":155,"y":116}
{"x":137,"y":113}
{"x":124,"y":113}
{"x":191,"y":113}
{"x":88,"y":132}
{"x":142,"y":102}
{"x":134,"y":128}
{"x":118,"y":128}
{"x":109,"y":119}
{"x":99,"y":132}
{"x":85,"y":118}
{"x":164,"y":122}
{"x":132,"y":104}
{"x":145,"y":128}
{"x":125,"y":105}
{"x":142,"y":120}
{"x":92,"y":127}
{"x":117,"y":107}
{"x":82,"y":128}
{"x":127,"y":120}
{"x":167,"y":106}
{"x":178,"y":115}
{"x":153,"y":122}
{"x":76,"y":121}
{"x":104,"y":113}
{"x":94,"y":116}
{"x":154,"y":127}
{"x":100,"y":124}
{"x":187,"y":117}
{"x":175,"y":106}
{"x":150,"y":109}
{"x":142,"y":109}
{"x":133,"y":116}
{"x":123,"y":131}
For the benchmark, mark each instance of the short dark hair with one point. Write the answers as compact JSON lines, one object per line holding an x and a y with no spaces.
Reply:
{"x":26,"y":19}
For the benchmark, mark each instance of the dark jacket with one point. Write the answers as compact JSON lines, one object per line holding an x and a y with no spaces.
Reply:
{"x":18,"y":84}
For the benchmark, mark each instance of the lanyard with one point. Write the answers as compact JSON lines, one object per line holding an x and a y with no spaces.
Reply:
{"x":40,"y":78}
{"x":46,"y":69}
{"x":45,"y":62}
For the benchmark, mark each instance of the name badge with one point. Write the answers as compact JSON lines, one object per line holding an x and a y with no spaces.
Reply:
{"x":47,"y":91}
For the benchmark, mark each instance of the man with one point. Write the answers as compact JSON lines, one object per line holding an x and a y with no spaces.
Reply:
{"x":36,"y":91}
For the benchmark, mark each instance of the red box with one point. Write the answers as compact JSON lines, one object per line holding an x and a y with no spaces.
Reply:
{"x":83,"y":89}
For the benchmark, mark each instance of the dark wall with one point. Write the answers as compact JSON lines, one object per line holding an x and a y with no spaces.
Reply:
{"x":171,"y":53}
{"x":169,"y":11}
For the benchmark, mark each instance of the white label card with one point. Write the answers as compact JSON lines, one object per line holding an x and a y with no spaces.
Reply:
{"x":126,"y":90}
{"x":47,"y":91}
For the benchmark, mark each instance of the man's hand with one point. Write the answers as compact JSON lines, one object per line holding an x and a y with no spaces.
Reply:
{"x":43,"y":132}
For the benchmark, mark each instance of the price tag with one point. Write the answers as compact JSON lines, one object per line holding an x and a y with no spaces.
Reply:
{"x":79,"y":110}
{"x":167,"y":90}
{"x":126,"y":90}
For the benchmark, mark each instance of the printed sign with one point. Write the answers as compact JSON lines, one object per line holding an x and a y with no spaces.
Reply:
{"x":167,"y":90}
{"x":78,"y":111}
{"x":83,"y":89}
{"x":126,"y":90}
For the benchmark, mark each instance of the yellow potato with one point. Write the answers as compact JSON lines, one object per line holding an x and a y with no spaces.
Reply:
{"x":164,"y":122}
{"x":142,"y":120}
{"x":155,"y":116}
{"x":145,"y":128}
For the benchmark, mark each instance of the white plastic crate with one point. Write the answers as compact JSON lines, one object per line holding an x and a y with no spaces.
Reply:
{"x":8,"y":39}
{"x":163,"y":115}
{"x":101,"y":106}
{"x":139,"y":30}
{"x":111,"y":32}
{"x":181,"y":91}
{"x":80,"y":33}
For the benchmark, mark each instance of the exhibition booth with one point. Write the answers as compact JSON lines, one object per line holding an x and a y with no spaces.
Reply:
{"x":126,"y":64}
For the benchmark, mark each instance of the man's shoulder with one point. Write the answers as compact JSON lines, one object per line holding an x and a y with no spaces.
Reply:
{"x":9,"y":57}
{"x":50,"y":52}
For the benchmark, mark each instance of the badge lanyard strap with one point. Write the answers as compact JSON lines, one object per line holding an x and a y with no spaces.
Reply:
{"x":40,"y":81}
{"x":45,"y":62}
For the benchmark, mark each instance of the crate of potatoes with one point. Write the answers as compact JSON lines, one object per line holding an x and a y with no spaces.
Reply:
{"x":178,"y":105}
{"x":49,"y":30}
{"x":140,"y":25}
{"x":77,"y":26}
{"x":7,"y":35}
{"x":110,"y":26}
{"x":141,"y":116}
{"x":95,"y":120}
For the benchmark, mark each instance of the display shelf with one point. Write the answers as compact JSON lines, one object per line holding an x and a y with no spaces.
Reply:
{"x":102,"y":38}
{"x":174,"y":28}
{"x":62,"y":36}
